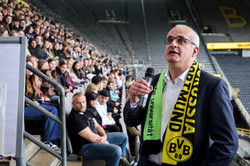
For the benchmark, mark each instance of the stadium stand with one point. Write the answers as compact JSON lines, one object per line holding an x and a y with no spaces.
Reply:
{"x":135,"y":34}
{"x":238,"y":77}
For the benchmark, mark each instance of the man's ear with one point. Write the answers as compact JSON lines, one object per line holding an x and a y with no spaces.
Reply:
{"x":195,"y":51}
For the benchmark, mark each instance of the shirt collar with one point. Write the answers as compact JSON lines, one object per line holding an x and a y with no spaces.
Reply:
{"x":182,"y":77}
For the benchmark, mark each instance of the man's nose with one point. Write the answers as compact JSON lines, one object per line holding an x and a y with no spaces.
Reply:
{"x":174,"y":42}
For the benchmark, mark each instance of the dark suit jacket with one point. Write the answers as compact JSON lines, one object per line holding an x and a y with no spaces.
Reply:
{"x":214,"y":120}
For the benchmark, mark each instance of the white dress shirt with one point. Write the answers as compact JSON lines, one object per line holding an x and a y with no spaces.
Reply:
{"x":103,"y":112}
{"x":169,"y":97}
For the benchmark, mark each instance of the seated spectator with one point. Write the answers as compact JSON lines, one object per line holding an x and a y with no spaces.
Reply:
{"x":108,"y":122}
{"x":22,"y":24}
{"x":51,"y":128}
{"x":78,"y":71}
{"x":14,"y":33}
{"x":88,"y":137}
{"x":37,"y":51}
{"x":58,"y":53}
{"x":72,"y":75}
{"x":46,"y":36}
{"x":111,"y":89}
{"x":4,"y":32}
{"x":46,"y":88}
{"x":7,"y":23}
{"x":61,"y":79}
{"x":69,"y":80}
{"x":98,"y":69}
{"x":33,"y":60}
{"x":91,"y":65}
{"x":37,"y":31}
{"x":119,"y":80}
{"x":129,"y":81}
{"x":15,"y":23}
{"x":46,"y":48}
{"x":114,"y":102}
{"x":91,"y":98}
{"x":66,"y":50}
{"x":21,"y":32}
{"x":52,"y":67}
{"x":39,"y":41}
{"x":92,"y":88}
{"x":98,"y":81}
{"x":29,"y":32}
{"x":104,"y":82}
{"x":86,"y":66}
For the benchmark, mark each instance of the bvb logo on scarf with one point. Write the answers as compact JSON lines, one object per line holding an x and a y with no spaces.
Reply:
{"x":178,"y":141}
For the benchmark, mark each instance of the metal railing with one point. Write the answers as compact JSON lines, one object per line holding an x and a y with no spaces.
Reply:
{"x":244,"y":132}
{"x":61,"y":121}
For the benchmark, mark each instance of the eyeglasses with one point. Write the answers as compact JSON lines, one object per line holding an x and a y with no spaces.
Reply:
{"x":180,"y":40}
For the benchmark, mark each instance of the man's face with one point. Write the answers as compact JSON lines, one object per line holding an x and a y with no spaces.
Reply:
{"x":102,"y":99}
{"x":38,"y":39}
{"x":22,"y":23}
{"x":79,"y":103}
{"x":179,"y":53}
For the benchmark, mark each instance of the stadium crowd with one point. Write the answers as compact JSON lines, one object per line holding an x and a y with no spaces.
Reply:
{"x":62,"y":55}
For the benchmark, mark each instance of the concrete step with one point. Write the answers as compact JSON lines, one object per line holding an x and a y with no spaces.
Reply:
{"x":43,"y":158}
{"x":30,"y":148}
{"x":74,"y":163}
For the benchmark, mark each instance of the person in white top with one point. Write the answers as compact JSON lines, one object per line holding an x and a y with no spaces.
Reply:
{"x":108,"y":123}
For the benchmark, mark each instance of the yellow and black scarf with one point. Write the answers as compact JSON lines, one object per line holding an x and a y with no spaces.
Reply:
{"x":178,"y":141}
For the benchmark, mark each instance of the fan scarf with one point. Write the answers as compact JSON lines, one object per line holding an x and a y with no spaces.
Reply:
{"x":178,"y":141}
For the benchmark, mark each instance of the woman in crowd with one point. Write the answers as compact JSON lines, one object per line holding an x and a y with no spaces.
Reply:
{"x":111,"y":89}
{"x":14,"y":33}
{"x":51,"y":128}
{"x":92,"y":88}
{"x":57,"y":52}
{"x":91,"y":65}
{"x":4,"y":32}
{"x":36,"y":51}
{"x":29,"y":32}
{"x":91,"y":98}
{"x":72,"y":75}
{"x":60,"y":70}
{"x":46,"y":48}
{"x":52,"y":67}
{"x":77,"y":70}
{"x":7,"y":23}
{"x":46,"y":88}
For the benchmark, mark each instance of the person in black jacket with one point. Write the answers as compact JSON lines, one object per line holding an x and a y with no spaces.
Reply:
{"x":36,"y":51}
{"x":188,"y":118}
{"x":57,"y":52}
{"x":60,"y":72}
{"x":91,"y":98}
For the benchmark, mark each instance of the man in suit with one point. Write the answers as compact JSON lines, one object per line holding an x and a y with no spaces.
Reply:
{"x":188,"y":119}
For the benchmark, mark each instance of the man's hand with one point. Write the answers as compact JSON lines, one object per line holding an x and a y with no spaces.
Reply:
{"x":103,"y":139}
{"x":137,"y":89}
{"x":115,"y":110}
{"x":109,"y":115}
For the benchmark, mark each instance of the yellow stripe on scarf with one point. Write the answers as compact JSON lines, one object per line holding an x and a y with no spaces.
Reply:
{"x":178,"y":141}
